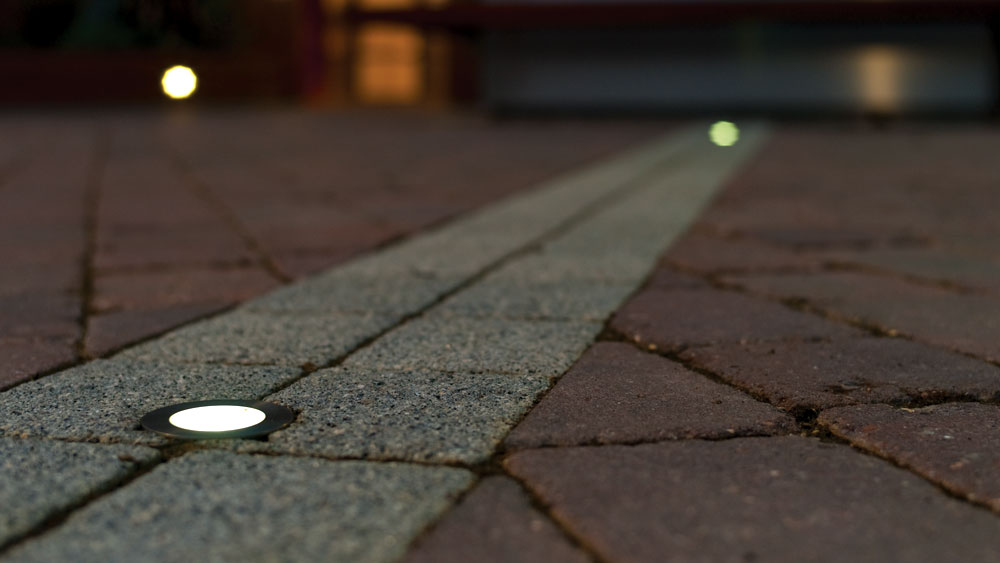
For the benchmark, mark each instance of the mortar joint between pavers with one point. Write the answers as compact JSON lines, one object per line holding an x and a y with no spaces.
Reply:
{"x":229,"y":218}
{"x":91,"y":210}
{"x":57,"y":518}
{"x":674,"y":355}
{"x":804,"y":305}
{"x":845,"y":265}
{"x":981,"y":504}
{"x":539,"y":505}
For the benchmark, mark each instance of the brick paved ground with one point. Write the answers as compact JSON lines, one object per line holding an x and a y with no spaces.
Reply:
{"x":115,"y":229}
{"x":809,"y":374}
{"x":847,"y":277}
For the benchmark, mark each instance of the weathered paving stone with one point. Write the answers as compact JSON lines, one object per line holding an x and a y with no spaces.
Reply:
{"x":216,"y":506}
{"x":819,"y":375}
{"x":753,"y":499}
{"x":956,"y":445}
{"x":621,"y":267}
{"x":161,"y":289}
{"x":681,"y":318}
{"x":345,"y":292}
{"x":104,"y":400}
{"x":460,"y":345}
{"x":39,"y":478}
{"x":945,"y":264}
{"x":586,"y":301}
{"x":495,"y":523}
{"x":24,"y":358}
{"x":458,"y":251}
{"x":110,"y":331}
{"x":617,"y":394}
{"x":965,"y":322}
{"x":419,"y":416}
{"x":246,"y":337}
{"x":710,"y":254}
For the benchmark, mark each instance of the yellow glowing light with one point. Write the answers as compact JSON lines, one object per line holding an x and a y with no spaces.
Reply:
{"x":217,"y":418}
{"x":179,"y":82}
{"x":724,"y":133}
{"x":881,"y":74}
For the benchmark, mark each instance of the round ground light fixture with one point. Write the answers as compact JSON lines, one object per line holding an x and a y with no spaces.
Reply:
{"x":218,"y":419}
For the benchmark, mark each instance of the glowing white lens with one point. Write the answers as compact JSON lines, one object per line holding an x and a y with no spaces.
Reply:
{"x":217,"y":418}
{"x":179,"y":82}
{"x":724,"y":133}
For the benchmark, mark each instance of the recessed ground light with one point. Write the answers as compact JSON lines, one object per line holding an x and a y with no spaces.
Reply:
{"x":724,"y":133}
{"x":201,"y":420}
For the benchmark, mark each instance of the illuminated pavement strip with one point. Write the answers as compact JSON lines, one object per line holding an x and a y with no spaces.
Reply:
{"x":535,"y":277}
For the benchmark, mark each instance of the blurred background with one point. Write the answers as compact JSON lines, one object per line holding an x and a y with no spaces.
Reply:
{"x":512,"y":56}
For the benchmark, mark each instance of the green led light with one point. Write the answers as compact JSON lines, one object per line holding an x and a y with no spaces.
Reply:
{"x":724,"y":133}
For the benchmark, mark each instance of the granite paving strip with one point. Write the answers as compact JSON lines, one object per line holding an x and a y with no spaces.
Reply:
{"x":248,"y":337}
{"x":41,"y":478}
{"x":495,"y":523}
{"x":618,"y":394}
{"x":345,"y":290}
{"x":425,"y":416}
{"x":473,"y":345}
{"x":752,"y":499}
{"x":815,"y":375}
{"x":967,"y":323}
{"x":956,"y":445}
{"x":512,"y":299}
{"x":700,"y":317}
{"x":104,"y":400}
{"x":218,"y":506}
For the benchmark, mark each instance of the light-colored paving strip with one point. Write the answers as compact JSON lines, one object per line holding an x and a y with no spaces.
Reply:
{"x":219,"y":506}
{"x":38,"y":478}
{"x":104,"y":400}
{"x":536,"y":275}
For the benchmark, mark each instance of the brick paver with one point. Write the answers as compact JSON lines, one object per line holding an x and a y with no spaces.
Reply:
{"x":700,"y":317}
{"x":964,"y":322}
{"x":956,"y":445}
{"x":817,"y":375}
{"x":102,"y":401}
{"x":495,"y":523}
{"x":752,"y":499}
{"x":618,"y":394}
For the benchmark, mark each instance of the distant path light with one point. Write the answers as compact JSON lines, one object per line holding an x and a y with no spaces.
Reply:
{"x":179,"y":82}
{"x":221,"y":418}
{"x":724,"y":133}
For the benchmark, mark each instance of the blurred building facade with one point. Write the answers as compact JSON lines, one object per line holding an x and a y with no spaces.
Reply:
{"x":506,"y":55}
